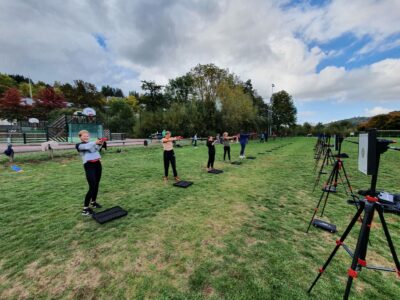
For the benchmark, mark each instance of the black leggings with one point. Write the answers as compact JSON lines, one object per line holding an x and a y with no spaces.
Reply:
{"x":169,"y":156}
{"x":227,"y":149}
{"x":242,"y":147}
{"x":211,"y":159}
{"x":93,"y":176}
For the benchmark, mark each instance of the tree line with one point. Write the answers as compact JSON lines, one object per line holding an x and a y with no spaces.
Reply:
{"x":206,"y":100}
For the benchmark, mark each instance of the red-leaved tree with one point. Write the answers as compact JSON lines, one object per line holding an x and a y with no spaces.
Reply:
{"x":11,"y":107}
{"x":46,"y":100}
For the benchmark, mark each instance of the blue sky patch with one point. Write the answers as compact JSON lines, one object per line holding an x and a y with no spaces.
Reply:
{"x":101,"y":40}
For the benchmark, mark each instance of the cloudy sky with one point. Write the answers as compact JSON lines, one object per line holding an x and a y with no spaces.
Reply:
{"x":337,"y":58}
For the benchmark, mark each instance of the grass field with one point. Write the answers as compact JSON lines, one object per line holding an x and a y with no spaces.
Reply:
{"x":237,"y":235}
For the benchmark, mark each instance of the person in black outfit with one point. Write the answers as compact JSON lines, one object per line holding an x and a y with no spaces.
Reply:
{"x":9,"y":152}
{"x":211,"y":153}
{"x":169,"y":155}
{"x":89,"y":152}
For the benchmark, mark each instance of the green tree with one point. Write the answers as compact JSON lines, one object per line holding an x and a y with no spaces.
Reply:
{"x":284,"y":111}
{"x":180,"y":89}
{"x":307,"y":128}
{"x":6,"y":82}
{"x":319,"y":128}
{"x":206,"y":80}
{"x":258,"y":102}
{"x":121,"y":116}
{"x":238,"y":111}
{"x":153,"y":98}
{"x":133,"y":103}
{"x":108,"y":91}
{"x":82,"y":94}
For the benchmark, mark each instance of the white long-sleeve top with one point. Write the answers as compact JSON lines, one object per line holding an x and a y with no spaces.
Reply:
{"x":88,"y":151}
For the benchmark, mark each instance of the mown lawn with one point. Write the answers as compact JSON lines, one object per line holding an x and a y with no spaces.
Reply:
{"x":237,"y":235}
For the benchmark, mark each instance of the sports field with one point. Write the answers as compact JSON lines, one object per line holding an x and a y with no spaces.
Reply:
{"x":236,"y":235}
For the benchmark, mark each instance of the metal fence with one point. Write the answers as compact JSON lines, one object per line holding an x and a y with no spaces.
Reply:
{"x":388,"y":133}
{"x":117,"y":136}
{"x":22,"y":138}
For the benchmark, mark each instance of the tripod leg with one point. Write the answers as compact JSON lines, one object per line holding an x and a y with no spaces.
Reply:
{"x":353,"y":196}
{"x":331,"y":178}
{"x":347,"y":181}
{"x":319,"y":174}
{"x":316,"y":208}
{"x":338,"y":244}
{"x":342,"y":182}
{"x":361,"y":248}
{"x":318,"y":159}
{"x":389,"y":239}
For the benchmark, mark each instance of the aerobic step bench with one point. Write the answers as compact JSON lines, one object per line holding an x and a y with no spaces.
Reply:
{"x":109,"y":214}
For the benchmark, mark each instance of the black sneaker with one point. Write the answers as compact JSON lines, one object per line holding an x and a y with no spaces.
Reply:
{"x":96,"y":205}
{"x":88,"y":212}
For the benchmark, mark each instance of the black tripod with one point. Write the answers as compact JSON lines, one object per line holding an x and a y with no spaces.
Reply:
{"x":331,"y":185}
{"x":368,"y":205}
{"x":328,"y":159}
{"x":323,"y":150}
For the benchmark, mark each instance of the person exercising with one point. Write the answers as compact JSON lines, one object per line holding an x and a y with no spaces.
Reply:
{"x":211,"y":153}
{"x":169,"y":155}
{"x":89,"y":152}
{"x":226,"y":140}
{"x":243,"y":139}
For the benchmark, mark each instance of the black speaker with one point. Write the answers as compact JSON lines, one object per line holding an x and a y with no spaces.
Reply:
{"x":324,"y":225}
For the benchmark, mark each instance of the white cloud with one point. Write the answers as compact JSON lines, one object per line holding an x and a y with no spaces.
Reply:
{"x":306,"y":113}
{"x":377,"y":110}
{"x":158,"y":40}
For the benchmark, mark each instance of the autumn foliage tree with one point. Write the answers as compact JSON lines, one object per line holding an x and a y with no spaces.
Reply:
{"x":390,"y":121}
{"x":46,"y":100}
{"x":11,"y":107}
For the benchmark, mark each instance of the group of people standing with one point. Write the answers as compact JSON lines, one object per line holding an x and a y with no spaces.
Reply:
{"x":90,"y":154}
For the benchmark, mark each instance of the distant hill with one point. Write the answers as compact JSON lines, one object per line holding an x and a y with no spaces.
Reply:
{"x":354,"y":121}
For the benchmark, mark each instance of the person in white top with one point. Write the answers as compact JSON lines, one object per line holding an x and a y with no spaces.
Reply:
{"x":89,"y":152}
{"x":169,"y":155}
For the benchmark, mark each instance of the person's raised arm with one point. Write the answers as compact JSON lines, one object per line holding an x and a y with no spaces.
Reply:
{"x":166,"y":140}
{"x":87,"y":146}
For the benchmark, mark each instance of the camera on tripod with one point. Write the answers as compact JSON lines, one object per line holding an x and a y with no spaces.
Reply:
{"x":389,"y":202}
{"x":369,"y":150}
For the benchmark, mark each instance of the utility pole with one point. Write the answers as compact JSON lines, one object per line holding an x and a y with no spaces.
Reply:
{"x":270,"y":110}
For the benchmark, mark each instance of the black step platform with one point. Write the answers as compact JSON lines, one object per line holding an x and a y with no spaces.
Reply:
{"x":324,"y":225}
{"x":183,"y":184}
{"x":215,"y":171}
{"x":109,"y":214}
{"x":236,"y":163}
{"x":251,"y":157}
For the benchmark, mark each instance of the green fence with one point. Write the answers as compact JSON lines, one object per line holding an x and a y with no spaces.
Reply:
{"x":95,"y":131}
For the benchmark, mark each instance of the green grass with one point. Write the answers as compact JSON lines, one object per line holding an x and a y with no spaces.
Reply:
{"x":237,"y":235}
